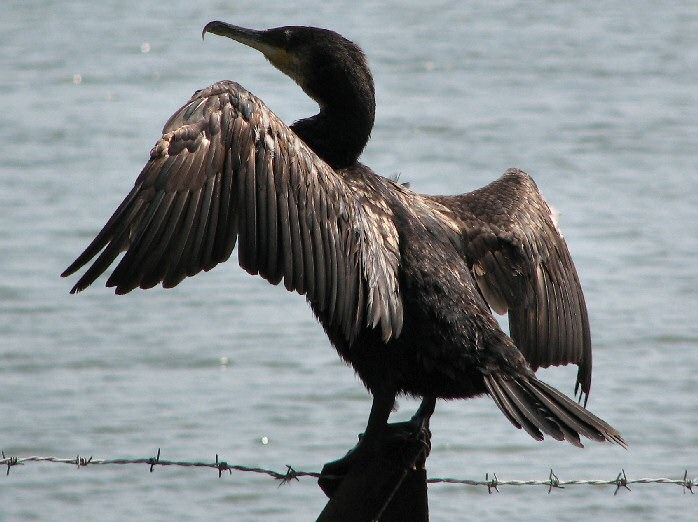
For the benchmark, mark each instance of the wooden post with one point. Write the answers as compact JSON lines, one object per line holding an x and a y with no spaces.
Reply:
{"x":391,"y":487}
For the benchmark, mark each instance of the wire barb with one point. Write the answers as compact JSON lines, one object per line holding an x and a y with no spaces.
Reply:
{"x":81,"y":462}
{"x":492,"y":484}
{"x":154,"y":461}
{"x":621,"y":482}
{"x":222,"y":466}
{"x":554,"y":482}
{"x":291,"y":474}
{"x":688,"y":483}
{"x":12,"y":461}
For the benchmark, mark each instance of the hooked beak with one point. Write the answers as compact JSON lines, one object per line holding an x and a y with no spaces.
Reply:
{"x":259,"y":40}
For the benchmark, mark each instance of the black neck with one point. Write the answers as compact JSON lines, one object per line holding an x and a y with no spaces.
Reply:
{"x":337,"y":134}
{"x":342,"y":85}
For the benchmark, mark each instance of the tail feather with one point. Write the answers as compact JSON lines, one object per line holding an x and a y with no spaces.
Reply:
{"x":570,"y":415}
{"x":504,"y":405}
{"x":517,"y":411}
{"x":539,"y":408}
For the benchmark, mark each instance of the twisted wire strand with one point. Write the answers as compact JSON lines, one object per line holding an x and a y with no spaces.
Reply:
{"x":492,"y":484}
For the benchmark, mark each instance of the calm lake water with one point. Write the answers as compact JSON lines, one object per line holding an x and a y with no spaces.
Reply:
{"x":598,"y":104}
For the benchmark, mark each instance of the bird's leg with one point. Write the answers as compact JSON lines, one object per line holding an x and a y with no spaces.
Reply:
{"x":382,"y":406}
{"x":369,"y":442}
{"x":420,"y":419}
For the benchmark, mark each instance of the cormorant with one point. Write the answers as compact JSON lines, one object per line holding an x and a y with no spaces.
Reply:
{"x":403,"y":283}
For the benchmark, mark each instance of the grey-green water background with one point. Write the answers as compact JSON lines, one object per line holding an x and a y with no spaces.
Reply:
{"x":597,"y":101}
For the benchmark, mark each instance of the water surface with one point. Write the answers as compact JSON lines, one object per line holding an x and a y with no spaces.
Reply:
{"x":599,"y":105}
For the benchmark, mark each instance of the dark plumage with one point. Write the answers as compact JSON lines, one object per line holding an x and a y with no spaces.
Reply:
{"x":401,"y":282}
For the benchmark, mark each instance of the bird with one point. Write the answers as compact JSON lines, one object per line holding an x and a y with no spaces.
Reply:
{"x":404,"y":284}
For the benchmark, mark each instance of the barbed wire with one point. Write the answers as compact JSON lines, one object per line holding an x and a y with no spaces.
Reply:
{"x":492,"y":484}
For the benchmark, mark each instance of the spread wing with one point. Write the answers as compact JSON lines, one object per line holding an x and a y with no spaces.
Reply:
{"x":522,"y":266}
{"x":227,"y":169}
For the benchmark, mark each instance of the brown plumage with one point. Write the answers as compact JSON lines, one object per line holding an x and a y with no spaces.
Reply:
{"x":401,"y":282}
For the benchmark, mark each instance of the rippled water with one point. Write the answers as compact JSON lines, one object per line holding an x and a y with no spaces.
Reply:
{"x":599,"y":104}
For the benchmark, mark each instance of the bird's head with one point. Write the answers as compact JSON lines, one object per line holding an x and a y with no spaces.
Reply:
{"x":330,"y":69}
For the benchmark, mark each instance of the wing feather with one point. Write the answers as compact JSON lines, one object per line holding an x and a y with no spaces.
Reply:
{"x":176,"y":271}
{"x":194,"y":265}
{"x":285,"y":224}
{"x":319,"y":266}
{"x":248,"y":207}
{"x":272,"y":269}
{"x":306,"y":244}
{"x":328,"y":235}
{"x":226,"y":233}
{"x":298,"y":280}
{"x":144,"y":244}
{"x":155,"y":270}
{"x":207,"y":253}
